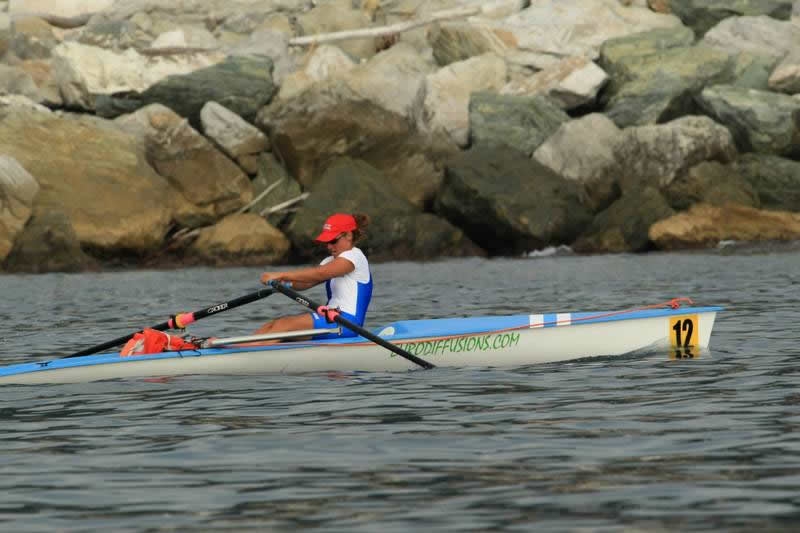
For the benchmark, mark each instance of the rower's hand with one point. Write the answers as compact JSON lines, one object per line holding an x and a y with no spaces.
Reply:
{"x":266,"y":277}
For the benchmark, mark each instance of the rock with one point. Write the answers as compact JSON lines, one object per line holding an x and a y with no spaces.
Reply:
{"x":31,"y":38}
{"x":442,"y":104}
{"x":656,"y":155}
{"x":18,"y":189}
{"x":338,"y":15}
{"x":701,"y":15}
{"x":509,"y":204}
{"x":712,"y":183}
{"x":206,"y":178}
{"x":282,"y":188}
{"x":242,"y":239}
{"x":83,"y":72}
{"x":14,"y":80}
{"x":90,"y":159}
{"x":323,"y":62}
{"x":760,"y":121}
{"x":572,"y":82}
{"x":242,"y":141}
{"x":579,"y":28}
{"x":786,"y":76}
{"x":456,"y":41}
{"x":62,"y":8}
{"x":661,"y":87}
{"x":330,"y":120}
{"x":48,"y":243}
{"x":705,"y":226}
{"x":5,"y":33}
{"x":521,"y":122}
{"x":241,"y":84}
{"x":776,"y":180}
{"x":188,"y":40}
{"x":391,"y":79}
{"x":761,"y":35}
{"x":585,"y":150}
{"x":623,"y":227}
{"x":397,"y":229}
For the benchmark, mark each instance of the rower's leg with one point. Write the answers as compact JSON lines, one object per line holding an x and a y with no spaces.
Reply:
{"x":287,"y":323}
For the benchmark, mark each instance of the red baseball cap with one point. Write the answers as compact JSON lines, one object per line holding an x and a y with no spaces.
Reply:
{"x":335,"y":225}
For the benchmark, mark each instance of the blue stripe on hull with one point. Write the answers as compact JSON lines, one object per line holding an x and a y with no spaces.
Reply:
{"x":406,"y":329}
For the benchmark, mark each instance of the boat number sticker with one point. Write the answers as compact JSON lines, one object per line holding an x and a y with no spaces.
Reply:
{"x":684,"y":332}
{"x":495,"y":341}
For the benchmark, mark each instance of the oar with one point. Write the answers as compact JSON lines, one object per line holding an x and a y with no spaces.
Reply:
{"x":180,"y":320}
{"x":299,"y":298}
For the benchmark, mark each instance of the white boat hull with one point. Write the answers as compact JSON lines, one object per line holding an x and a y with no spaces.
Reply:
{"x":500,"y":342}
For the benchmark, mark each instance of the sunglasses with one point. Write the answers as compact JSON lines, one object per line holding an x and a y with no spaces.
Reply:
{"x":334,"y":241}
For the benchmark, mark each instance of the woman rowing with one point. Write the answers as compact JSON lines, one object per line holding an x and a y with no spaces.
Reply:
{"x":346,"y":274}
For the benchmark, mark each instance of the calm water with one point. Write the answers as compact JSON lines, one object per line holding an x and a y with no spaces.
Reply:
{"x":620,"y":444}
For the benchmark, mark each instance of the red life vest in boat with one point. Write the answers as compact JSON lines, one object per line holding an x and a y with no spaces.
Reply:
{"x":153,"y":341}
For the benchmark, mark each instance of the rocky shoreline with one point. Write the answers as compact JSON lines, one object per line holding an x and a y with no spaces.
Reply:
{"x":136,"y":133}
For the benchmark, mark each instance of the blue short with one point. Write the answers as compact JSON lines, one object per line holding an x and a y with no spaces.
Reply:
{"x":320,"y":322}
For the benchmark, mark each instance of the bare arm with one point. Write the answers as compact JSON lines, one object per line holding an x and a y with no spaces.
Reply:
{"x":305,"y":278}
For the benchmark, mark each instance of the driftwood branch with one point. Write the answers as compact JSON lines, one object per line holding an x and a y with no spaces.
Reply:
{"x":382,"y":31}
{"x":260,"y":196}
{"x":283,"y":205}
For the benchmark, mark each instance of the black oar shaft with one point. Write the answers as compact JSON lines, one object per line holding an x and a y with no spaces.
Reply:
{"x":176,"y":322}
{"x":299,"y":298}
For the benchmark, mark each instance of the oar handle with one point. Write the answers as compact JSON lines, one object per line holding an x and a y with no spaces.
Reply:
{"x":180,"y":320}
{"x":311,"y":304}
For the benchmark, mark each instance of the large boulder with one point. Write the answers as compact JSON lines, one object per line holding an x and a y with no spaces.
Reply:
{"x":760,"y":35}
{"x":211,"y":182}
{"x":522,"y":122}
{"x":657,"y":155}
{"x":623,"y":227}
{"x":661,"y":87}
{"x":704,"y":226}
{"x":239,"y":139}
{"x":82,"y":72}
{"x":331,"y":120}
{"x":240,"y":239}
{"x":242,"y":84}
{"x":702,"y":15}
{"x":776,"y":180}
{"x":760,"y":121}
{"x":712,"y":183}
{"x":48,"y":244}
{"x":18,"y":189}
{"x":88,"y":159}
{"x":572,"y":82}
{"x":442,"y":104}
{"x":509,"y":204}
{"x":585,"y":150}
{"x":62,"y":8}
{"x":397,"y":229}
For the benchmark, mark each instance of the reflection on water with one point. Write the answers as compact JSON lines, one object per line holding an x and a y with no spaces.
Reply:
{"x":641,"y":442}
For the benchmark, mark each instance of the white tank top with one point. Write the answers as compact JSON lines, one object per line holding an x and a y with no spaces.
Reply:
{"x":352,"y":292}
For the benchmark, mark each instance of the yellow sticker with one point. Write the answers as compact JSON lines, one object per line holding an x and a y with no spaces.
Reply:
{"x":684,"y":335}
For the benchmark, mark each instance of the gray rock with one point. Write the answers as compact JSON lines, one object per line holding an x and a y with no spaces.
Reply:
{"x":702,"y":15}
{"x":712,"y":183}
{"x":521,"y":122}
{"x":776,"y":180}
{"x":623,"y":227}
{"x":508,"y":203}
{"x":242,"y":84}
{"x":47,"y":244}
{"x":760,"y":121}
{"x":397,"y":229}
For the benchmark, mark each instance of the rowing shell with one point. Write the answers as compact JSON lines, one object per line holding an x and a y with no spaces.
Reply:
{"x":489,"y":341}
